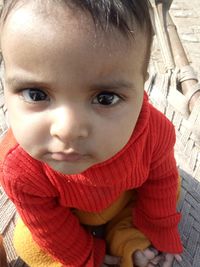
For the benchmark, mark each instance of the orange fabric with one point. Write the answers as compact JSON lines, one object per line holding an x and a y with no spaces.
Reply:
{"x":102,"y":217}
{"x":123,"y":238}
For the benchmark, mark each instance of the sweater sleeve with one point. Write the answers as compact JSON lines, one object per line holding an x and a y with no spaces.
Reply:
{"x":54,"y":228}
{"x":155,"y":210}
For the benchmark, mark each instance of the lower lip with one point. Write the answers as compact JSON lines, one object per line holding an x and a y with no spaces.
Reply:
{"x":67,"y":157}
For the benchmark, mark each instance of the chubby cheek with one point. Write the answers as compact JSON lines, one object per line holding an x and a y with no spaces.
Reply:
{"x":28,"y":132}
{"x":115,"y":133}
{"x":113,"y":138}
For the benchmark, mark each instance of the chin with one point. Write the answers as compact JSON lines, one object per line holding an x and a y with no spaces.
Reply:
{"x":68,"y":170}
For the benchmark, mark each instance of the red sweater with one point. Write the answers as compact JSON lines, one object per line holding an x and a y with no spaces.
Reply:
{"x":43,"y":197}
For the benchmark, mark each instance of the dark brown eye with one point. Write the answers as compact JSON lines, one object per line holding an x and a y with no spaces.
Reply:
{"x":106,"y":98}
{"x":34,"y":95}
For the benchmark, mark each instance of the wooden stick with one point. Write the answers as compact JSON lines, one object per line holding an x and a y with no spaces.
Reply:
{"x":162,"y":35}
{"x":172,"y":49}
{"x":3,"y":259}
{"x":181,"y":60}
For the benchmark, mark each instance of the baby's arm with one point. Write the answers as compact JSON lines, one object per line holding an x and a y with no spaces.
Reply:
{"x":155,"y":212}
{"x":53,"y":227}
{"x":150,"y":256}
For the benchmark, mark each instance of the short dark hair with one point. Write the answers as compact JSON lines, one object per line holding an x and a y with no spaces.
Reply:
{"x":117,"y":13}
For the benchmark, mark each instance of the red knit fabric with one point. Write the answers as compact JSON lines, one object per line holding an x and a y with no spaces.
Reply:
{"x":44,"y":197}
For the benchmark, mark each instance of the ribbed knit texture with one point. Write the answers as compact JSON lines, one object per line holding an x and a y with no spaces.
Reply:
{"x":44,"y":197}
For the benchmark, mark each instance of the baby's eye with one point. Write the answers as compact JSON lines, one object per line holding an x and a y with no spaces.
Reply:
{"x":106,"y":99}
{"x":34,"y":95}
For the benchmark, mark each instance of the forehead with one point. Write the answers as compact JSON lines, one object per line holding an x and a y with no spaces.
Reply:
{"x":61,"y":28}
{"x":61,"y":14}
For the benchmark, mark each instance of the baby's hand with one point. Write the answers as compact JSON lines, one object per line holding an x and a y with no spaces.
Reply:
{"x":111,"y":261}
{"x":146,"y":258}
{"x":167,"y":259}
{"x":150,"y":257}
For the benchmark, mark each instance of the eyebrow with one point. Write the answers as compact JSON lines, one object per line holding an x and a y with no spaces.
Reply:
{"x":107,"y":85}
{"x":115,"y":84}
{"x":16,"y":80}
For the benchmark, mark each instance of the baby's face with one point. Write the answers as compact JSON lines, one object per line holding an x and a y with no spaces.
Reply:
{"x":73,"y":94}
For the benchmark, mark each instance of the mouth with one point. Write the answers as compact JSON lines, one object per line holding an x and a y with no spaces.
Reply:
{"x":67,"y":157}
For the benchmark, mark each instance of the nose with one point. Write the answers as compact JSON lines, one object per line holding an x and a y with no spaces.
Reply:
{"x":69,"y":124}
